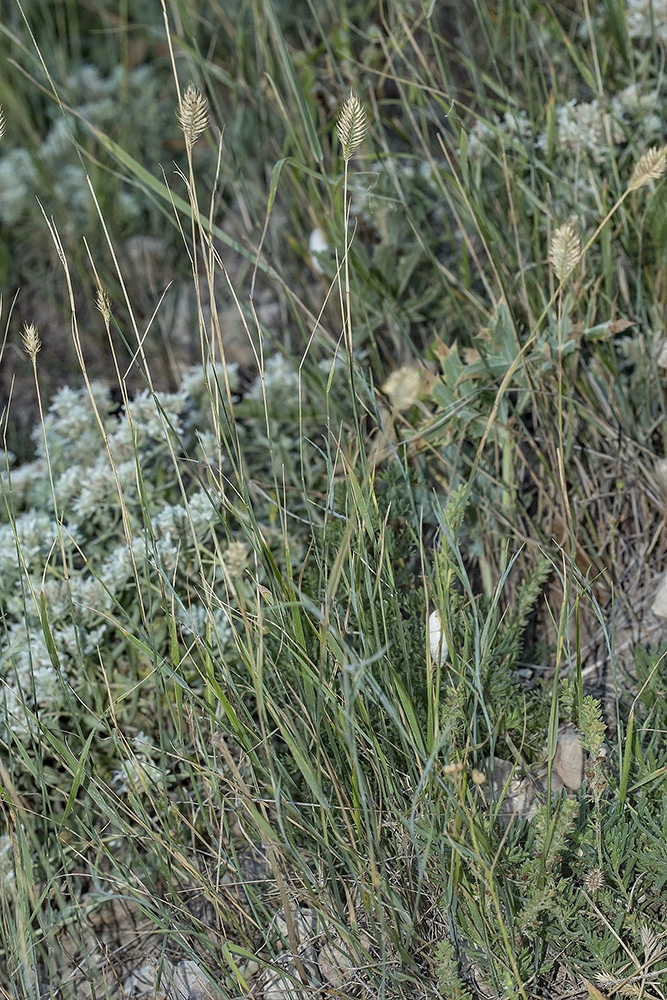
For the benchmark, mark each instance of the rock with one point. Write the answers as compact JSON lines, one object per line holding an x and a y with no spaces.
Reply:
{"x":523,"y":798}
{"x":252,"y":869}
{"x":519,"y":797}
{"x":660,"y":470}
{"x":557,"y":784}
{"x":659,"y":606}
{"x":185,"y":981}
{"x":143,"y":982}
{"x":337,"y":960}
{"x":188,"y":982}
{"x":284,"y":982}
{"x":304,"y":919}
{"x":568,"y":763}
{"x":249,"y":968}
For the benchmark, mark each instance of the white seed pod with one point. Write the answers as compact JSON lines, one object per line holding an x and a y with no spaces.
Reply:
{"x":317,"y":244}
{"x":436,"y":639}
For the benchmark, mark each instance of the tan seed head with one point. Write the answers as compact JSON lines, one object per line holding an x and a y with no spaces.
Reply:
{"x":594,"y":881}
{"x":235,"y":559}
{"x":351,"y":126}
{"x":103,"y":303}
{"x":193,"y":114}
{"x":565,"y":249}
{"x":31,"y":341}
{"x":402,"y":387}
{"x":649,"y":167}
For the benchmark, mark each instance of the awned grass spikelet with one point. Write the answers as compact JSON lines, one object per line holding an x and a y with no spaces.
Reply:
{"x":565,"y":249}
{"x":31,"y":342}
{"x":103,"y":303}
{"x":193,"y":114}
{"x":351,"y":126}
{"x":649,"y":167}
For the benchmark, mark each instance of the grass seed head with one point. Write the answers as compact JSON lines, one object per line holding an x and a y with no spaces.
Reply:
{"x":351,"y":126}
{"x":193,"y":114}
{"x":31,"y":341}
{"x":402,"y":387}
{"x":594,"y":881}
{"x":592,"y":727}
{"x":235,"y":559}
{"x":650,"y":942}
{"x":565,"y":249}
{"x":2,"y":121}
{"x":103,"y":303}
{"x":649,"y":167}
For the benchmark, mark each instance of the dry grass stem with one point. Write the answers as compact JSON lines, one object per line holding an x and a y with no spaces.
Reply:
{"x":649,"y":167}
{"x":351,"y":126}
{"x":565,"y":249}
{"x":193,"y":114}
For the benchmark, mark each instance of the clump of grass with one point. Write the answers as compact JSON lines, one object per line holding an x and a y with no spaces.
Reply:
{"x":264,"y":635}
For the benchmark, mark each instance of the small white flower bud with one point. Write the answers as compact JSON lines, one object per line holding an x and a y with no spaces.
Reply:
{"x":436,"y":639}
{"x":317,"y":244}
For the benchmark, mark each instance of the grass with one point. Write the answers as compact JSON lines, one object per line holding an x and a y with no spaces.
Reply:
{"x":226,"y":736}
